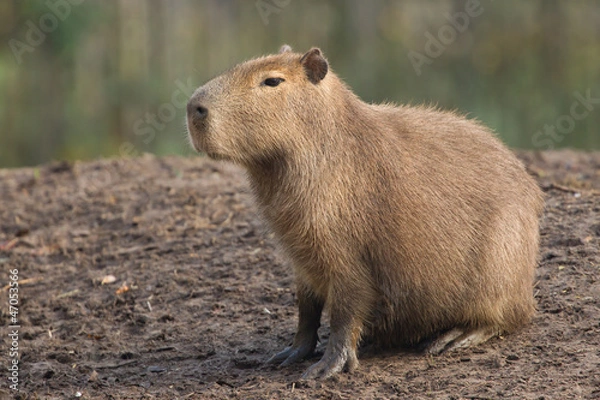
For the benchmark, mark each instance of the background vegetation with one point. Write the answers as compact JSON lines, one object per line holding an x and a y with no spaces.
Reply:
{"x":82,"y":79}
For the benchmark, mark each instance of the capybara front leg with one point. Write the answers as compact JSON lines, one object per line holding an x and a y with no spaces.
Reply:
{"x":305,"y":340}
{"x":347,"y":313}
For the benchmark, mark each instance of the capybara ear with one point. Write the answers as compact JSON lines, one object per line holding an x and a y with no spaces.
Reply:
{"x":285,"y":49}
{"x":315,"y":65}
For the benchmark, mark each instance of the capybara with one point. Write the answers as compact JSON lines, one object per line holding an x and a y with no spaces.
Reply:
{"x":408,"y":224}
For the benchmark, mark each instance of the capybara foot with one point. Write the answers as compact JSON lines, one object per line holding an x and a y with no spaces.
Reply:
{"x":292,"y":354}
{"x":333,"y":361}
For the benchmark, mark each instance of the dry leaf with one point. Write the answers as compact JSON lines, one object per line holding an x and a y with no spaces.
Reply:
{"x":108,"y":279}
{"x":124,"y":288}
{"x":93,"y":376}
{"x":9,"y":245}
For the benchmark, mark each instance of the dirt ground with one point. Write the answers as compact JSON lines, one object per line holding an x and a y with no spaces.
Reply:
{"x":153,"y":278}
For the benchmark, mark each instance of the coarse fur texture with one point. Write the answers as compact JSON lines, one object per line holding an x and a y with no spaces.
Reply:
{"x":407,"y":223}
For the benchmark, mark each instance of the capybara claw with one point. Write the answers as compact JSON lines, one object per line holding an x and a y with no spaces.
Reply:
{"x":280,"y":357}
{"x":291,"y":355}
{"x":331,"y":364}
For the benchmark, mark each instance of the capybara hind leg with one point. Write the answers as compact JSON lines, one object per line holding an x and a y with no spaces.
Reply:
{"x":439,"y":344}
{"x":472,"y":338}
{"x":457,"y":339}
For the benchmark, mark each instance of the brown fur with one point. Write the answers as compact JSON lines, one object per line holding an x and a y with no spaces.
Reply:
{"x":406,"y":222}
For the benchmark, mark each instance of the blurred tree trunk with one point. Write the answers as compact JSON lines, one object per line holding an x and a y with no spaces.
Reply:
{"x":157,"y":45}
{"x":553,"y":23}
{"x":113,"y":90}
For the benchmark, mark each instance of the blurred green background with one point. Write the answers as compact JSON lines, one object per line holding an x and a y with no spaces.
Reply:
{"x":83,"y":79}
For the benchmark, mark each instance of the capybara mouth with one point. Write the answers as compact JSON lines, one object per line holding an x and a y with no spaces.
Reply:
{"x":193,"y":141}
{"x":197,"y":134}
{"x":199,"y":143}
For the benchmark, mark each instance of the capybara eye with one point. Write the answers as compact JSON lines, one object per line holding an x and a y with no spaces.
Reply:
{"x":273,"y":81}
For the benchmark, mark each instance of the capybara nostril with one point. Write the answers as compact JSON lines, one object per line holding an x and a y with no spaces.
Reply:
{"x":201,"y":112}
{"x":196,"y":110}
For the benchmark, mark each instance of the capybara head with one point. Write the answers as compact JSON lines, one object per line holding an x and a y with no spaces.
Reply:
{"x":242,"y":114}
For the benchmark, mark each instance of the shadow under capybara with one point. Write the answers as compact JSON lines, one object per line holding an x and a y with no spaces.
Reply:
{"x":406,"y":223}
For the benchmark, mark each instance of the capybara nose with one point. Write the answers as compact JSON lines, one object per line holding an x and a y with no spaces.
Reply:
{"x":196,"y":110}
